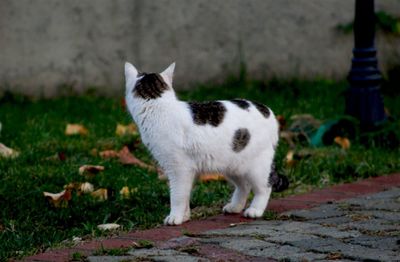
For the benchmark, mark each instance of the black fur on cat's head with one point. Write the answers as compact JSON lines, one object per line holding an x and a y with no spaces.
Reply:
{"x":150,"y":86}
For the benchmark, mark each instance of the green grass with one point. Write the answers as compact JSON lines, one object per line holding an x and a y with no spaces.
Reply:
{"x":29,"y":224}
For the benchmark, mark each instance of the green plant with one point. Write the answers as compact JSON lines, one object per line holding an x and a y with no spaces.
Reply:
{"x":385,"y":22}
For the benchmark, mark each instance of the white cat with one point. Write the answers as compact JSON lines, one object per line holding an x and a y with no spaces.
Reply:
{"x":237,"y":138}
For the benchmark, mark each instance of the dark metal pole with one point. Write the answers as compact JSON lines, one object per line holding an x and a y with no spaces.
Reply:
{"x":364,"y":100}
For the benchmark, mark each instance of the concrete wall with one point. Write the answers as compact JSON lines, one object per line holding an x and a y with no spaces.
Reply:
{"x":48,"y":44}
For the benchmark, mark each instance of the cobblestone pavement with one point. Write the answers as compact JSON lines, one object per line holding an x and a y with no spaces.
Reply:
{"x":359,"y":229}
{"x":359,"y":221}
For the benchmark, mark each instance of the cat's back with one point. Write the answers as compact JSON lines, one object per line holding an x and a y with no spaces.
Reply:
{"x":235,"y":126}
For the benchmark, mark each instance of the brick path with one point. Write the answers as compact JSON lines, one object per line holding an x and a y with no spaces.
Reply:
{"x":357,"y":221}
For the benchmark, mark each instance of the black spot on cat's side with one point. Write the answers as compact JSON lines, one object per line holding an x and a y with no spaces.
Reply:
{"x":207,"y":112}
{"x":240,"y":139}
{"x":264,"y":110}
{"x":150,"y":86}
{"x":243,"y":104}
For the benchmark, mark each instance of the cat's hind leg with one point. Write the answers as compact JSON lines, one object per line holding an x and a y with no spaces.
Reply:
{"x":258,"y":179}
{"x":180,"y":183}
{"x":239,"y":197}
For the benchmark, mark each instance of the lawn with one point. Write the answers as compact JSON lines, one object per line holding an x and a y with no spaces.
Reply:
{"x":49,"y":160}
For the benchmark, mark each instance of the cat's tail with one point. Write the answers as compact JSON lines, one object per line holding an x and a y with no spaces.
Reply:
{"x":278,"y":182}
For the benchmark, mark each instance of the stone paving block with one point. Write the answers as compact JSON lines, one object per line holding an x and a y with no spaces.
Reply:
{"x":356,"y":252}
{"x":332,"y":221}
{"x":381,"y":214}
{"x":261,"y":248}
{"x":387,"y":200}
{"x":381,"y":243}
{"x":164,"y":255}
{"x":285,"y":238}
{"x":324,"y":211}
{"x":392,"y":193}
{"x":317,"y":229}
{"x":377,"y":225}
{"x":258,"y":228}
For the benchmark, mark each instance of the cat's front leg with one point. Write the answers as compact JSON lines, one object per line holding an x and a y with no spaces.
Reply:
{"x":180,"y":183}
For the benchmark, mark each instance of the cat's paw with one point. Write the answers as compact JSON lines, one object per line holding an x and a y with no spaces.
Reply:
{"x":253,"y":213}
{"x":231,"y":208}
{"x":173,"y":220}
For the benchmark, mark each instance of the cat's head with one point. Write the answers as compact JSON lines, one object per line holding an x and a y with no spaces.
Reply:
{"x":148,"y":85}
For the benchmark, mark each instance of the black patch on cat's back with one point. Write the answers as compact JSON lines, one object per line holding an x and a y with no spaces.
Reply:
{"x":240,"y":139}
{"x":150,"y":86}
{"x":264,"y":110}
{"x":243,"y":104}
{"x":207,"y":112}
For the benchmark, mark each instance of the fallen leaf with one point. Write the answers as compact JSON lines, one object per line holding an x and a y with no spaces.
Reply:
{"x":7,"y":152}
{"x":161,"y":175}
{"x":110,"y":226}
{"x":90,"y":170}
{"x":290,"y":138}
{"x":86,"y":188}
{"x":124,"y":192}
{"x":59,"y":199}
{"x":127,"y":158}
{"x":75,"y":129}
{"x":122,"y":130}
{"x":211,"y":177}
{"x":289,"y":158}
{"x":100,"y":194}
{"x":76,"y":239}
{"x":109,"y":154}
{"x":343,"y":142}
{"x":282,"y":122}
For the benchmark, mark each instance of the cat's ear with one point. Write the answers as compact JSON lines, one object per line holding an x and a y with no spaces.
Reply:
{"x":130,"y":74}
{"x":168,"y":74}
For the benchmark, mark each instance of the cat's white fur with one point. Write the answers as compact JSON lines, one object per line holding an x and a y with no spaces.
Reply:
{"x":184,"y":149}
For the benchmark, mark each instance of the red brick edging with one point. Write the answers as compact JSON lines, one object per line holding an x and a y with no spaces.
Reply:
{"x":162,"y":234}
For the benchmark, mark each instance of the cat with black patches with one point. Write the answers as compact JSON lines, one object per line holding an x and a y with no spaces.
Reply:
{"x":237,"y":138}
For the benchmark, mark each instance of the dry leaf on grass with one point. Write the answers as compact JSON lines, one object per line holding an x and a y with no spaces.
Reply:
{"x":7,"y":152}
{"x":289,"y":158}
{"x":109,"y":154}
{"x":343,"y":142}
{"x":293,"y":157}
{"x":127,"y":158}
{"x":86,"y":188}
{"x":127,"y":192}
{"x":122,"y":130}
{"x":90,"y":170}
{"x":59,"y":199}
{"x":211,"y":177}
{"x":282,"y":122}
{"x":60,"y":156}
{"x":161,"y":175}
{"x":75,"y":129}
{"x":100,"y":194}
{"x":81,"y":188}
{"x":110,"y":226}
